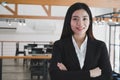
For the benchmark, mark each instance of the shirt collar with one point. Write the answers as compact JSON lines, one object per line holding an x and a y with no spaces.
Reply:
{"x":83,"y":45}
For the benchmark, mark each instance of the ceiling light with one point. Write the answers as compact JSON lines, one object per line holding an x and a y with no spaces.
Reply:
{"x":4,"y":3}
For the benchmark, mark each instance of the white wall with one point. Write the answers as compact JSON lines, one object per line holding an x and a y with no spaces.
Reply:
{"x":35,"y":30}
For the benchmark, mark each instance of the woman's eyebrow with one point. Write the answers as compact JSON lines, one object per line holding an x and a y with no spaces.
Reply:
{"x":85,"y":16}
{"x":75,"y":16}
{"x":79,"y":17}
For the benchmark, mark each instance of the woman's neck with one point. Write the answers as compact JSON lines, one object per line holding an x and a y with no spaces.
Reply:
{"x":79,"y":39}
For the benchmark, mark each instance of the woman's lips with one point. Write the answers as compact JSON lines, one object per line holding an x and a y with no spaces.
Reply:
{"x":79,"y":29}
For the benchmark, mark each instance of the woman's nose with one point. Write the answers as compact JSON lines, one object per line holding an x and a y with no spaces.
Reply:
{"x":79,"y":22}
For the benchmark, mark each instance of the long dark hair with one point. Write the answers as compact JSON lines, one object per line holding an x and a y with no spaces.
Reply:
{"x":67,"y":31}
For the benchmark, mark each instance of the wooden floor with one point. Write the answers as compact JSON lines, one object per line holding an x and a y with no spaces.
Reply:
{"x":14,"y":70}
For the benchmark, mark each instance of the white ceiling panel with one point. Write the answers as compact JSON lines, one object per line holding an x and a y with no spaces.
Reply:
{"x":36,"y":10}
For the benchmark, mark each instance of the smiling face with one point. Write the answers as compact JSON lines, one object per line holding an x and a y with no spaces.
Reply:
{"x":80,"y":22}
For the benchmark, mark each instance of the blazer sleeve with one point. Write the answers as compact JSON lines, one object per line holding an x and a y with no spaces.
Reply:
{"x":104,"y":64}
{"x":56,"y":74}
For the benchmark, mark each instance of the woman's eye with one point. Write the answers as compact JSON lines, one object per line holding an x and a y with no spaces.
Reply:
{"x":75,"y":19}
{"x":85,"y":19}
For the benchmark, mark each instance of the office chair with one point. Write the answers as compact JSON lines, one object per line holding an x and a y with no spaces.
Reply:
{"x":18,"y":52}
{"x":48,"y":46}
{"x":30,"y":46}
{"x":49,"y":50}
{"x":37,"y":51}
{"x":115,"y":75}
{"x":38,"y":67}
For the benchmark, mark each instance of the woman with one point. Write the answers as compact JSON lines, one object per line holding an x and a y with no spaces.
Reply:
{"x":78,"y":55}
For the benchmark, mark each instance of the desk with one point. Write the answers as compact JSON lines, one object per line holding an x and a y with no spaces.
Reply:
{"x":30,"y":56}
{"x":34,"y":56}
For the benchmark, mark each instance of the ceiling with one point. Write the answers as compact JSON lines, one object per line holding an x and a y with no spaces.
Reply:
{"x":92,"y":3}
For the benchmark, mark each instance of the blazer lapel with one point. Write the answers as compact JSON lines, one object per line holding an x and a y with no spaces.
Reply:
{"x":73,"y":53}
{"x":89,"y":53}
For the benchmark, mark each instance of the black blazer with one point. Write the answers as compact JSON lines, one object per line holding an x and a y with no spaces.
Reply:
{"x":96,"y":56}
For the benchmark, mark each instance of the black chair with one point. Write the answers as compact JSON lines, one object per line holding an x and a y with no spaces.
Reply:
{"x":48,"y":46}
{"x":38,"y":67}
{"x":116,"y":76}
{"x":49,"y":50}
{"x":18,"y":52}
{"x":37,"y":51}
{"x":30,"y":46}
{"x":26,"y":53}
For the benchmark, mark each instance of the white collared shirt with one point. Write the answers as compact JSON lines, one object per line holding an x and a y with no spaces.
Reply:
{"x":81,"y":52}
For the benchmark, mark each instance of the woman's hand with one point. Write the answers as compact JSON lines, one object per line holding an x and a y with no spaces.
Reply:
{"x":95,"y":72}
{"x":61,"y":66}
